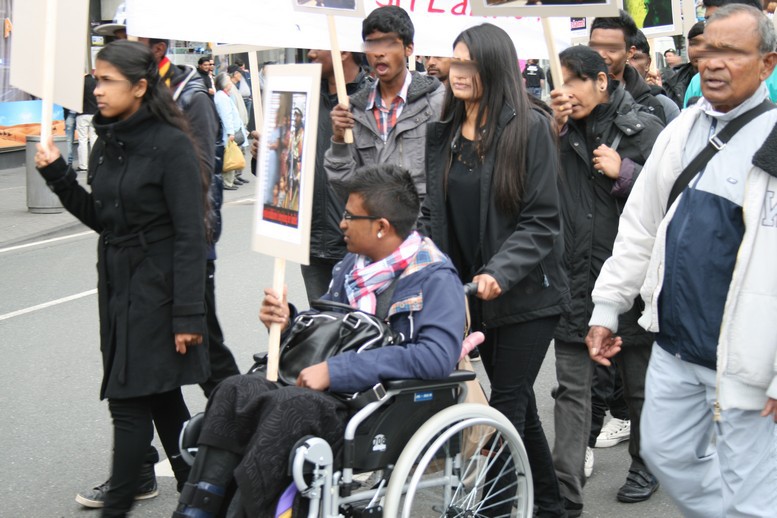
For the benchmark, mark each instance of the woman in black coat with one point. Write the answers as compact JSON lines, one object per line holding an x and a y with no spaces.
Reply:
{"x":147,"y":203}
{"x":605,"y":138}
{"x":492,"y":205}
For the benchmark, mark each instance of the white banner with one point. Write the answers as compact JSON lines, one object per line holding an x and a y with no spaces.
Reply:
{"x":274,"y":23}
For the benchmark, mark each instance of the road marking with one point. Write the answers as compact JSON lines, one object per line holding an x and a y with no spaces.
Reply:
{"x":47,"y":304}
{"x":241,"y":201}
{"x":45,"y":241}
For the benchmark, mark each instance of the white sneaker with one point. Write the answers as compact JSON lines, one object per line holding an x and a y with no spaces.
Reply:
{"x":589,"y":461}
{"x":614,"y":432}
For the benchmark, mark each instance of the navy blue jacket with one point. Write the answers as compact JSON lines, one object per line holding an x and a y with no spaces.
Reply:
{"x":427,"y":307}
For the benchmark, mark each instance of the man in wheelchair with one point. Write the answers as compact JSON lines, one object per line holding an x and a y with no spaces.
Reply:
{"x":251,"y":424}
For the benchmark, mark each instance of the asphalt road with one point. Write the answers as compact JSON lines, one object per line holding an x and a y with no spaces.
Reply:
{"x":55,"y":433}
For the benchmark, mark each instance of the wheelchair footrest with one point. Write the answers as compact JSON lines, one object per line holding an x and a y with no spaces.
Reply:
{"x":356,"y":511}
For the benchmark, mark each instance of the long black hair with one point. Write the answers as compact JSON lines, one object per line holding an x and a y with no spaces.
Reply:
{"x":496,"y":62}
{"x":135,"y":61}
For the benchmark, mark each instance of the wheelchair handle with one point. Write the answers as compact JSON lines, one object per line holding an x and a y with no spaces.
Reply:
{"x":470,"y":288}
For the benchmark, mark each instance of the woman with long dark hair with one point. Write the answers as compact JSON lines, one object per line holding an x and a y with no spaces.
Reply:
{"x":492,"y":205}
{"x":147,"y":203}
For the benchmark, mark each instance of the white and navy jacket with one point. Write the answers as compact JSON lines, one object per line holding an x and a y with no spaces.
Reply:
{"x":705,"y":268}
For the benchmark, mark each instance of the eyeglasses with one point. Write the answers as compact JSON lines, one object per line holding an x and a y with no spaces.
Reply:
{"x":347,"y":216}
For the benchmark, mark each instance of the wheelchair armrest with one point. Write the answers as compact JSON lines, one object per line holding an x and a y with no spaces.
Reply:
{"x":413,"y":384}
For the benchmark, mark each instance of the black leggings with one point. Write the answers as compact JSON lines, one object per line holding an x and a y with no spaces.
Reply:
{"x":512,"y":356}
{"x":133,"y":422}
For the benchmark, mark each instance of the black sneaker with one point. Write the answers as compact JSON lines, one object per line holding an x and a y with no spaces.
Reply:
{"x":95,"y":497}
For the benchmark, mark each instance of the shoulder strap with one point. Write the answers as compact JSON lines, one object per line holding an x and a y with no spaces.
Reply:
{"x":715,"y":144}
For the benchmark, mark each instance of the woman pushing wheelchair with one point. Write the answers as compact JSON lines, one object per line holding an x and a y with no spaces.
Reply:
{"x":252,"y":424}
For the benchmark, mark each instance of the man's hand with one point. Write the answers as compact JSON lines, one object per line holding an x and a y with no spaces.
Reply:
{"x":315,"y":377}
{"x":602,"y":345}
{"x":255,"y":143}
{"x":488,"y":288}
{"x":184,"y":340}
{"x":607,"y":161}
{"x":275,"y":308}
{"x":562,"y":107}
{"x":770,"y":408}
{"x":342,"y":119}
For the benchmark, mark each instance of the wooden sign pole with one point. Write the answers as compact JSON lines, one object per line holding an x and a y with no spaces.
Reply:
{"x":337,"y":63}
{"x":555,"y":62}
{"x":49,"y":56}
{"x":256,"y":90}
{"x":274,"y":345}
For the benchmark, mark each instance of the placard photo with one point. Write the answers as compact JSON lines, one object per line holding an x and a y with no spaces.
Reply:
{"x":545,"y":8}
{"x":286,"y":161}
{"x":656,"y":18}
{"x":333,"y":7}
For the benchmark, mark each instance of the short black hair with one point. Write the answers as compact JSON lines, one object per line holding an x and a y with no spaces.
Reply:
{"x":641,"y":43}
{"x":154,"y":41}
{"x":586,"y":64}
{"x":203,"y":59}
{"x":623,"y":22}
{"x":388,"y":192}
{"x":720,"y":3}
{"x":231,"y":69}
{"x":696,"y":30}
{"x":667,"y":51}
{"x":389,"y":18}
{"x":239,"y":62}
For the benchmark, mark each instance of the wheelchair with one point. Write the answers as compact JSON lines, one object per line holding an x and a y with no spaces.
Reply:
{"x":429,"y":454}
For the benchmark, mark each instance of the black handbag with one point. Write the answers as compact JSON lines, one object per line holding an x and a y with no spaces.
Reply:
{"x":329,"y":329}
{"x":240,"y":138}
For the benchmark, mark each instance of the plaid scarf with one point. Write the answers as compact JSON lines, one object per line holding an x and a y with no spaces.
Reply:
{"x":367,"y":280}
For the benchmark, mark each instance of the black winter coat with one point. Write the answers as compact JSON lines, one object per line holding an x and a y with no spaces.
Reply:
{"x":146,"y":203}
{"x":326,"y":238}
{"x":592,"y":204}
{"x":524,"y":252}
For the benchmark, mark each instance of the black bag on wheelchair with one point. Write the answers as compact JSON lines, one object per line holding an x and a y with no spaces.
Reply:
{"x":330,"y":328}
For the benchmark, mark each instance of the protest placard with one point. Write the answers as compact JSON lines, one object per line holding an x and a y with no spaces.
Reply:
{"x":48,"y":53}
{"x":285,"y":174}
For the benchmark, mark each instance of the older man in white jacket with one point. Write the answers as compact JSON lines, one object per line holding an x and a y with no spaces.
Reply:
{"x":706,"y":269}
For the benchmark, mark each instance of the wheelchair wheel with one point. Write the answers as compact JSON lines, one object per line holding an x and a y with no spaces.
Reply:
{"x":467,"y":460}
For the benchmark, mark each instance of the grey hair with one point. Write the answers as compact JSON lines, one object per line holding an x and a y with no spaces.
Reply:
{"x":222,"y":80}
{"x":765,"y":26}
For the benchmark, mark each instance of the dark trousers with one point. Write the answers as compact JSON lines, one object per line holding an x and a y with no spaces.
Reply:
{"x":133,"y":428}
{"x":317,"y":276}
{"x":572,"y":416}
{"x":606,"y":393}
{"x":222,"y":362}
{"x":512,"y":357}
{"x":633,"y":364}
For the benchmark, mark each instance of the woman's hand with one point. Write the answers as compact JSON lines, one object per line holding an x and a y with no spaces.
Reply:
{"x":275,"y":309}
{"x":488,"y":288}
{"x":607,"y":161}
{"x":342,"y":119}
{"x":47,"y":153}
{"x":562,"y":107}
{"x":184,"y":340}
{"x":654,"y":78}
